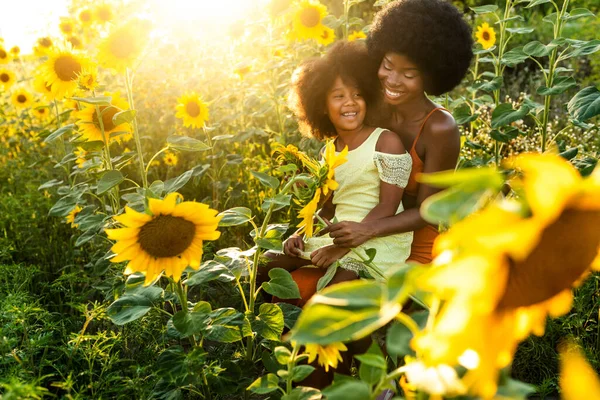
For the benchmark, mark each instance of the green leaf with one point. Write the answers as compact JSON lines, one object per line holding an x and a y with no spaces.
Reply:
{"x":560,"y":85}
{"x":59,"y":132}
{"x":85,"y":237}
{"x":569,"y":153}
{"x":371,"y":253}
{"x":109,"y":180}
{"x":577,"y":13}
{"x":265,"y":384}
{"x":279,"y":201}
{"x":222,"y":137}
{"x":281,"y":284}
{"x":174,"y":184}
{"x":514,"y":56}
{"x":484,"y":9}
{"x":49,"y":184}
{"x":184,"y":143}
{"x":583,"y":48}
{"x":122,"y":117}
{"x":504,"y":114}
{"x":550,"y":18}
{"x":98,"y":101}
{"x":348,"y":390}
{"x":282,"y":354}
{"x":329,"y":274}
{"x":504,"y":136}
{"x":513,"y":389}
{"x":301,"y":372}
{"x":534,"y":3}
{"x":227,"y":325}
{"x":520,"y":30}
{"x":372,"y":365}
{"x":463,"y":115}
{"x":235,"y":216}
{"x":290,"y":314}
{"x":585,"y":104}
{"x":537,"y":49}
{"x":304,"y":392}
{"x":489,"y":86}
{"x":209,"y":271}
{"x":194,"y":322}
{"x":332,"y":22}
{"x":128,"y":308}
{"x":266,"y":180}
{"x":157,"y":188}
{"x":470,"y":178}
{"x":269,"y":322}
{"x":452,"y":205}
{"x":64,"y":205}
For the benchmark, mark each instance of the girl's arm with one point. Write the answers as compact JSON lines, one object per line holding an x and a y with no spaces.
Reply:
{"x":442,"y":143}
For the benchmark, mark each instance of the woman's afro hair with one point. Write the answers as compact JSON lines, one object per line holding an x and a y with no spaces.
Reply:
{"x":314,"y":77}
{"x":432,"y":33}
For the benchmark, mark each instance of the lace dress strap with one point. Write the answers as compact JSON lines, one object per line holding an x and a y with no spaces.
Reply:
{"x":393,"y":168}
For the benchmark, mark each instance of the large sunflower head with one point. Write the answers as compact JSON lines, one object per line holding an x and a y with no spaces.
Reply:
{"x":40,"y":85}
{"x":21,"y":98}
{"x":61,"y":70}
{"x":88,"y":79}
{"x":124,"y":45}
{"x":7,"y":78}
{"x":192,"y":110}
{"x":104,"y":13}
{"x":486,"y":36}
{"x":5,"y":56}
{"x":91,"y":125}
{"x":307,"y":19}
{"x":167,"y":237}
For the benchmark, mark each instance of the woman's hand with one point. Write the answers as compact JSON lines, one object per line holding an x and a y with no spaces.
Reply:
{"x":349,"y":234}
{"x":293,"y":246}
{"x":325,"y":256}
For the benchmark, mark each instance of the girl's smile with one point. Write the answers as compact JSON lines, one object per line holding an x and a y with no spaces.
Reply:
{"x":346,"y":107}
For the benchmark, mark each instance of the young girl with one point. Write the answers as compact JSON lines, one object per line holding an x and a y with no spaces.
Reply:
{"x":330,"y":97}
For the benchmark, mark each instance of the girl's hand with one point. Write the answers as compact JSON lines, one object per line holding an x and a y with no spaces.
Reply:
{"x":325,"y":256}
{"x":293,"y":246}
{"x":349,"y":234}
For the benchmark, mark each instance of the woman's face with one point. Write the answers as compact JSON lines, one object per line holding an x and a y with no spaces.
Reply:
{"x":400,"y":79}
{"x":346,"y":107}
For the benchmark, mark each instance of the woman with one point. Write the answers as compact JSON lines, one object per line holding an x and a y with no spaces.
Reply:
{"x":423,"y":47}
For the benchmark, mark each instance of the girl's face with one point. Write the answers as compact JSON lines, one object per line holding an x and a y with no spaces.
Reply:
{"x":400,"y":79}
{"x":346,"y":108}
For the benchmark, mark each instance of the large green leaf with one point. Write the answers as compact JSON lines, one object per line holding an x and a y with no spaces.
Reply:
{"x":301,"y":372}
{"x":303,"y":393}
{"x":538,"y":49}
{"x":489,"y":86}
{"x":227,"y":325}
{"x":514,"y":56}
{"x":209,"y":271}
{"x":281,"y":284}
{"x":472,"y":178}
{"x":185,"y":143}
{"x":266,"y":180}
{"x":59,"y":132}
{"x":265,"y":384}
{"x":453,"y":204}
{"x":124,"y":116}
{"x":128,"y":308}
{"x":235,"y":216}
{"x":64,"y":205}
{"x":577,"y":13}
{"x":399,"y":336}
{"x":372,"y":365}
{"x":109,"y":180}
{"x":463,"y":114}
{"x":560,"y":85}
{"x":504,"y":114}
{"x":348,"y":390}
{"x":192,"y":322}
{"x":269,"y":322}
{"x":585,"y":104}
{"x":278,"y":202}
{"x":290,"y":314}
{"x":98,"y":101}
{"x":484,"y":9}
{"x":174,"y":184}
{"x":534,"y":3}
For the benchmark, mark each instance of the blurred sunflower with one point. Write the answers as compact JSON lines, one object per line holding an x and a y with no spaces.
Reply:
{"x":486,"y":36}
{"x":167,"y":237}
{"x":61,"y":69}
{"x":41,"y":86}
{"x":88,"y":79}
{"x":328,"y":355}
{"x":43,"y":46}
{"x":356,"y":35}
{"x":80,"y":153}
{"x":41,"y":112}
{"x":123,"y":45}
{"x":72,"y":215}
{"x":578,"y":380}
{"x":307,"y":19}
{"x":75,"y":42}
{"x":21,"y":98}
{"x":327,"y":36}
{"x":7,"y":78}
{"x":89,"y":123}
{"x":5,"y":56}
{"x":170,"y":158}
{"x":15,"y":51}
{"x":85,"y":16}
{"x":192,"y":110}
{"x":503,"y":271}
{"x":104,"y":13}
{"x":66,"y":25}
{"x":242,"y":70}
{"x":332,"y":161}
{"x":307,"y":214}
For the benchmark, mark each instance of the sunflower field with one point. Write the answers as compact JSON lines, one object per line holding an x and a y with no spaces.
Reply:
{"x":147,"y":163}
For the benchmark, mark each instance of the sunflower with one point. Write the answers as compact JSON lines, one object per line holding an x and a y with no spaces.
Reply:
{"x":242,"y":70}
{"x":503,"y":271}
{"x":80,"y":152}
{"x":486,"y":35}
{"x":40,"y":85}
{"x":332,"y":161}
{"x":21,"y":98}
{"x":89,"y":123}
{"x":578,"y":380}
{"x":15,"y":51}
{"x":124,"y":45}
{"x":66,"y":26}
{"x":88,"y":79}
{"x":170,"y":159}
{"x":167,"y":237}
{"x":85,"y":16}
{"x":7,"y":78}
{"x":41,"y":112}
{"x":61,"y":69}
{"x":103,"y":13}
{"x":43,"y":46}
{"x":328,"y":355}
{"x":290,"y":154}
{"x":327,"y":36}
{"x":307,"y":19}
{"x":75,"y":42}
{"x":356,"y":35}
{"x":5,"y":56}
{"x":192,"y":110}
{"x":72,"y":215}
{"x":307,"y":214}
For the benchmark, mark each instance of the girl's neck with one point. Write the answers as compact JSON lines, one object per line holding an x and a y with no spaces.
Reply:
{"x":413,"y":111}
{"x":353,"y":138}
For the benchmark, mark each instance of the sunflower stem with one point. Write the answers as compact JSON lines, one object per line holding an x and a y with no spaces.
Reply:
{"x":291,"y":365}
{"x":180,"y":290}
{"x":213,"y":166}
{"x":114,"y":193}
{"x":136,"y":134}
{"x":152,"y":159}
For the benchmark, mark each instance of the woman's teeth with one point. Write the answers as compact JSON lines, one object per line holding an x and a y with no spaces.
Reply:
{"x":389,"y":93}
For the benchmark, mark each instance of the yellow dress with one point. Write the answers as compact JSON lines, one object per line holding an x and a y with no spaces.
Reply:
{"x":358,"y":193}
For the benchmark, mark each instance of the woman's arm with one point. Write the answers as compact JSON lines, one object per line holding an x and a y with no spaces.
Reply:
{"x":442,"y":143}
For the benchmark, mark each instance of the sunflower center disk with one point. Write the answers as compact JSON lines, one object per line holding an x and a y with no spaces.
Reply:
{"x":486,"y":36}
{"x":122,"y":47}
{"x":45,"y":42}
{"x":3,"y":54}
{"x":310,"y":17}
{"x":4,"y":78}
{"x":107,"y":117}
{"x":67,"y":68}
{"x":21,"y":98}
{"x":565,"y":251}
{"x":193,"y":109}
{"x":166,"y":236}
